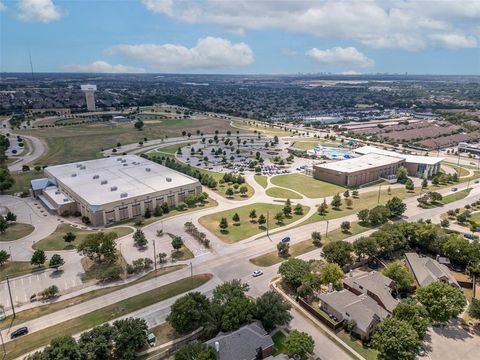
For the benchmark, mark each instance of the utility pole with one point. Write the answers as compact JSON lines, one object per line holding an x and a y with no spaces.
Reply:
{"x":268,"y":217}
{"x":379,"y":189}
{"x":10,"y":294}
{"x":154,"y":255}
{"x":191,"y":270}
{"x":326,"y":231}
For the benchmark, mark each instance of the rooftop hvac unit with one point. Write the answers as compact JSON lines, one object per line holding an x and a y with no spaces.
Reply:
{"x":65,"y":200}
{"x":124,"y":160}
{"x":96,"y":176}
{"x":119,"y":159}
{"x":103,"y":182}
{"x":79,"y":165}
{"x":114,"y":188}
{"x":83,"y":167}
{"x":123,"y":195}
{"x":125,"y":164}
{"x":169,"y":179}
{"x":74,"y":175}
{"x":148,"y":169}
{"x":57,"y":192}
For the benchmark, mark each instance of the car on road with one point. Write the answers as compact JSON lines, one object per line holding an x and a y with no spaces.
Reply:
{"x":421,"y":352}
{"x":286,"y":239}
{"x":257,"y":273}
{"x":19,"y":332}
{"x":477,"y":181}
{"x":454,"y":189}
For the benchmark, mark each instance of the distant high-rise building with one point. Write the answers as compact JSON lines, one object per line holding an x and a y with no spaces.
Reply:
{"x":89,"y":91}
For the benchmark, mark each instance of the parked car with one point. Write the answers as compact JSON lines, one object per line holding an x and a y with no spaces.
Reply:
{"x":454,"y":189}
{"x":477,"y":181}
{"x":19,"y":332}
{"x":286,"y":239}
{"x":257,"y":273}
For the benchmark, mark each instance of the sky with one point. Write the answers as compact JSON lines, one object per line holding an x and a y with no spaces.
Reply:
{"x":241,"y":36}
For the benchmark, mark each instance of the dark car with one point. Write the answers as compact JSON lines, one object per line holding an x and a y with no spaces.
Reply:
{"x":19,"y":332}
{"x":286,"y":239}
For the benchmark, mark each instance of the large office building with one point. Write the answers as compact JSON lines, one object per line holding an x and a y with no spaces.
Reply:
{"x":112,"y":189}
{"x":372,"y":164}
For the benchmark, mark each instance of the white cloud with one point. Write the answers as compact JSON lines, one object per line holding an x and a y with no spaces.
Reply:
{"x":2,"y":6}
{"x":289,"y":52}
{"x":348,"y":56}
{"x":453,"y":41}
{"x":43,"y":11}
{"x":406,"y":24}
{"x":102,"y":67}
{"x":208,"y":53}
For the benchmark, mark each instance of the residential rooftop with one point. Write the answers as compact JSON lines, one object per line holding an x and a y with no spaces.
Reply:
{"x":427,"y":270}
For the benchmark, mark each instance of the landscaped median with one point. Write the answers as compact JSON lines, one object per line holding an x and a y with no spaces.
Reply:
{"x":41,"y":338}
{"x":307,"y":185}
{"x":306,"y":246}
{"x":280,"y":193}
{"x":16,"y":231}
{"x":247,"y":226}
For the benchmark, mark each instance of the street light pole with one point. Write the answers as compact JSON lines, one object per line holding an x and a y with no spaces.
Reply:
{"x":11,"y":300}
{"x":154,"y":256}
{"x":379,"y":189}
{"x":326,"y":231}
{"x":268,"y":219}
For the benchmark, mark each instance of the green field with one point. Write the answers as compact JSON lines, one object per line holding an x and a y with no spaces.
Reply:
{"x":16,"y":231}
{"x":246,"y":228}
{"x":38,"y":339}
{"x":280,"y":193}
{"x":306,"y":246}
{"x":265,"y":129}
{"x":459,"y":169}
{"x":261,"y":180}
{"x":307,"y":185}
{"x":278,"y":340}
{"x":367,"y":353}
{"x":22,"y":181}
{"x":172,"y":149}
{"x":54,"y":241}
{"x":17,"y":268}
{"x":459,"y":195}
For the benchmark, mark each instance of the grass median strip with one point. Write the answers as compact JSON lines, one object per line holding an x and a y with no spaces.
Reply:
{"x":280,"y":193}
{"x":38,"y":339}
{"x":306,"y":246}
{"x":16,"y":231}
{"x":46,"y":309}
{"x":456,"y":196}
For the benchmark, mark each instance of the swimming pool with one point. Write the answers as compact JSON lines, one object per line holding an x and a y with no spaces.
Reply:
{"x":333,"y":153}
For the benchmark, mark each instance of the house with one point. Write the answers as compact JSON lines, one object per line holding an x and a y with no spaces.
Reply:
{"x":374,"y":284}
{"x":344,"y":305}
{"x":427,"y":270}
{"x":250,"y":342}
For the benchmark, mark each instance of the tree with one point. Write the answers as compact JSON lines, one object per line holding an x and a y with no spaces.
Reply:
{"x":355,"y":193}
{"x":435,"y":181}
{"x":229,"y":192}
{"x":338,"y":252}
{"x":396,"y":339}
{"x":262,"y":220}
{"x":60,"y":348}
{"x":400,"y":274}
{"x":190,"y":200}
{"x":6,"y":179}
{"x":287,"y":210}
{"x":413,"y":313}
{"x":236,"y":218}
{"x":409,"y":185}
{"x":336,"y":201}
{"x":316,"y":238}
{"x":38,"y":258}
{"x":272,"y":310}
{"x":97,"y":343}
{"x":378,"y":215}
{"x":402,"y":175}
{"x":11,"y":217}
{"x":3,"y":224}
{"x":196,"y":350}
{"x":474,"y":309}
{"x":346,"y":194}
{"x":252,"y":215}
{"x":279,"y":217}
{"x":223,"y":224}
{"x":162,"y":258}
{"x":345,"y":226}
{"x":366,"y":246}
{"x":138,"y":125}
{"x":130,"y":336}
{"x":299,"y":345}
{"x":69,"y":237}
{"x":396,"y":206}
{"x":158,"y":211}
{"x":56,"y":261}
{"x":4,"y":256}
{"x":298,"y":210}
{"x":293,"y":272}
{"x":189,"y":312}
{"x":177,"y":243}
{"x":243,"y":190}
{"x":139,"y":238}
{"x":349,"y":203}
{"x":99,"y":247}
{"x":424,"y":183}
{"x":322,"y":209}
{"x":363,"y":215}
{"x":441,"y":300}
{"x":331,"y":273}
{"x":50,"y":292}
{"x":283,"y":249}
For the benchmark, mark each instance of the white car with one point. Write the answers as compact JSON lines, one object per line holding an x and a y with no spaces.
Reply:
{"x":257,"y":273}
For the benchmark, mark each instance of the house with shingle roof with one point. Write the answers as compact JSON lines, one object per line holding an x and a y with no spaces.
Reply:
{"x":426,"y":270}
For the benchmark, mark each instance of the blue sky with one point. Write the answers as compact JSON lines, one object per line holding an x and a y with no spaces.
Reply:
{"x":219,"y":36}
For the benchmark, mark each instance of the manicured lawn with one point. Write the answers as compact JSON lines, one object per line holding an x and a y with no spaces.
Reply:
{"x":306,"y":246}
{"x":459,"y":195}
{"x":93,"y":269}
{"x":307,"y":185}
{"x":261,"y":180}
{"x":41,"y":310}
{"x":246,"y":228}
{"x":183,"y":253}
{"x":172,"y":149}
{"x":55,"y":240}
{"x":37,"y":339}
{"x":265,"y":129}
{"x":367,"y":353}
{"x":278,"y":340}
{"x":22,"y":181}
{"x":16,"y":231}
{"x":280,"y":193}
{"x":365,"y":200}
{"x":17,"y":268}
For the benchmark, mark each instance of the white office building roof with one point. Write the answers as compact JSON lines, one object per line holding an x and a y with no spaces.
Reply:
{"x":121,"y":178}
{"x":365,"y":162}
{"x":428,"y":160}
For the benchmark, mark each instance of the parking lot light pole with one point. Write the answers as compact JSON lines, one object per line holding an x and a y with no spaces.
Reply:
{"x":154,"y":256}
{"x":10,"y":294}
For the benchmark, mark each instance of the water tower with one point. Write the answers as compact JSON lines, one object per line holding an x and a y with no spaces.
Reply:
{"x":89,"y":91}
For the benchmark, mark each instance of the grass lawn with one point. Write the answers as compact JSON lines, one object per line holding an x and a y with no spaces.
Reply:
{"x":183,"y":253}
{"x":306,"y":246}
{"x":246,"y":228}
{"x":55,"y":240}
{"x":367,"y":353}
{"x":277,"y":192}
{"x":261,"y":180}
{"x":459,"y":195}
{"x":17,"y":268}
{"x":365,"y":200}
{"x":22,"y":181}
{"x":307,"y":185}
{"x":41,"y":310}
{"x":93,"y":269}
{"x":172,"y":149}
{"x":463,"y":172}
{"x":278,"y":340}
{"x":16,"y":231}
{"x":37,"y":339}
{"x":265,"y":129}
